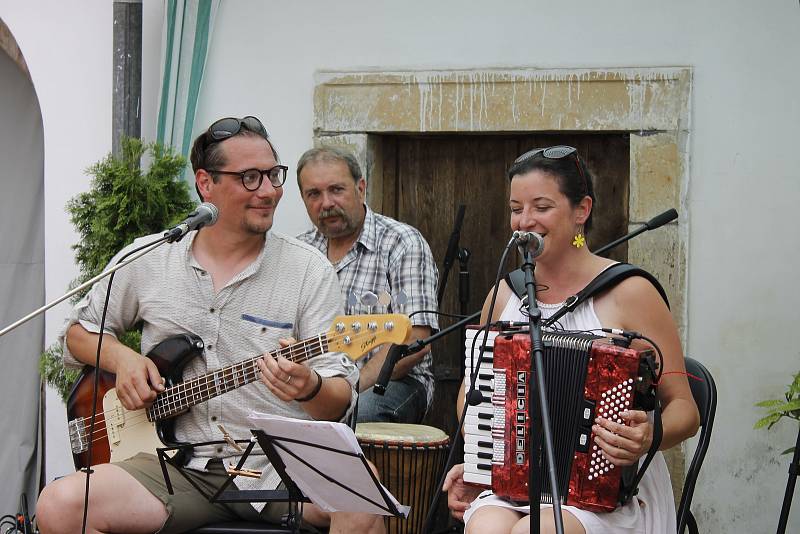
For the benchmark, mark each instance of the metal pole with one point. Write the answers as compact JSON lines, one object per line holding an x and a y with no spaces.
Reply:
{"x":126,"y":104}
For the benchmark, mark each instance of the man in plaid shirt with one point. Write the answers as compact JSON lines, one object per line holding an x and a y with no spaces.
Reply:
{"x":380,"y":262}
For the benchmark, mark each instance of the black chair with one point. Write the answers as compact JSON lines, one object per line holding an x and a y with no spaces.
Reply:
{"x":704,"y":392}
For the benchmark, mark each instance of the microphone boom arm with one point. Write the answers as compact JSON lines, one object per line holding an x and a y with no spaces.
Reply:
{"x":152,"y":246}
{"x":657,"y":221}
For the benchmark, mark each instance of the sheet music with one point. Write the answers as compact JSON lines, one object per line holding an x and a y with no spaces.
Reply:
{"x":345,"y":469}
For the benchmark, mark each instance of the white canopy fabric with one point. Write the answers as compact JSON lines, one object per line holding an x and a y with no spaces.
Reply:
{"x":21,"y":283}
{"x":188,"y":26}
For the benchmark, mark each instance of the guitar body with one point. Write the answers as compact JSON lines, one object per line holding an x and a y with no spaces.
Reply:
{"x":121,"y":433}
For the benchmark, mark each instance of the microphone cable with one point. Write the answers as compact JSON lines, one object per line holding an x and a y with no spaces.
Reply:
{"x":97,"y":371}
{"x":454,"y":440}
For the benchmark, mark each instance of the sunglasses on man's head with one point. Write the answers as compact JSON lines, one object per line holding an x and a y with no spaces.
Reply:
{"x":555,"y":152}
{"x":230,"y":126}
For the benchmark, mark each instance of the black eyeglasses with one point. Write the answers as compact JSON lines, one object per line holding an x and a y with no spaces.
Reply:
{"x":555,"y":152}
{"x":230,"y":126}
{"x":253,"y":178}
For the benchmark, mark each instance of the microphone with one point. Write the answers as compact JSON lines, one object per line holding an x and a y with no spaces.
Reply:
{"x":534,"y":242}
{"x":662,"y":219}
{"x":205,"y":215}
{"x":395,"y":353}
{"x":657,"y":221}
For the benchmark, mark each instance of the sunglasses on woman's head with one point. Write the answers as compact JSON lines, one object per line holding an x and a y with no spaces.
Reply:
{"x":555,"y":152}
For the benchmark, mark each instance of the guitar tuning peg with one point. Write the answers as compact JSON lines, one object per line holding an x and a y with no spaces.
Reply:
{"x":384,"y":299}
{"x":369,"y":299}
{"x":351,"y":302}
{"x":400,"y":300}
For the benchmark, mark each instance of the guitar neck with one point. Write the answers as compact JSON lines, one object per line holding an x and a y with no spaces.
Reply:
{"x":181,"y":397}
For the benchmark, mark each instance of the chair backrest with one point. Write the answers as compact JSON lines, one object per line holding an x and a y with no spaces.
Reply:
{"x":704,"y":391}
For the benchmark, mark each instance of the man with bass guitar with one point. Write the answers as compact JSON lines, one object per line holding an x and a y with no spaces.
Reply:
{"x":242,"y":289}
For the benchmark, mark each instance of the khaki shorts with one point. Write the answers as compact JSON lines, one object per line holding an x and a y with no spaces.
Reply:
{"x":187,"y":507}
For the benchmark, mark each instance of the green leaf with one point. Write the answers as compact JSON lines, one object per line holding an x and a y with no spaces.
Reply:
{"x":769,"y":420}
{"x":52,"y":370}
{"x":785,"y":407}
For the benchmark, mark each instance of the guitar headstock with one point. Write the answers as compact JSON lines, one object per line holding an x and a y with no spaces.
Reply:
{"x":356,"y":335}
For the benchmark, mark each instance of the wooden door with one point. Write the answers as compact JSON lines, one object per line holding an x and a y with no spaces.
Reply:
{"x":426,"y":177}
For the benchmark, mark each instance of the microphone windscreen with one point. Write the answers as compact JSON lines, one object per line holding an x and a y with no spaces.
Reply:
{"x":662,"y":219}
{"x":212,"y":210}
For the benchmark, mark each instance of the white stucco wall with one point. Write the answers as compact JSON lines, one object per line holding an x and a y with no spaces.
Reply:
{"x":743,"y":176}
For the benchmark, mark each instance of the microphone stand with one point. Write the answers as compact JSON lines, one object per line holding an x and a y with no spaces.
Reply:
{"x":170,"y":236}
{"x":463,"y":293}
{"x":794,"y":472}
{"x":205,"y":215}
{"x":451,"y":253}
{"x":396,"y":352}
{"x":656,"y":222}
{"x":543,"y":428}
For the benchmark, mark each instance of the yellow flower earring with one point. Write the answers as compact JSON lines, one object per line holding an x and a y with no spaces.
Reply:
{"x":579,"y":240}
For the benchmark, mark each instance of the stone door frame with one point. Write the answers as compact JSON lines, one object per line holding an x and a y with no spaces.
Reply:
{"x":651,"y":104}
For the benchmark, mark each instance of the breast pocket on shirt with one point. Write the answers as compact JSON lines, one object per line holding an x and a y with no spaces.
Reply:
{"x":264,"y":332}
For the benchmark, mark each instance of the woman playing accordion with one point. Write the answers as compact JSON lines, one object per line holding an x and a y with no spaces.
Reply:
{"x":552,"y":194}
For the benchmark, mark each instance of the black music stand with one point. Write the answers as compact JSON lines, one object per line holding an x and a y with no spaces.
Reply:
{"x":291,"y":495}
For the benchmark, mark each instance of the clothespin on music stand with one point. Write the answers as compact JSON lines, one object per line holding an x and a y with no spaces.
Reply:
{"x":243,"y":472}
{"x":227,"y":437}
{"x":231,"y":468}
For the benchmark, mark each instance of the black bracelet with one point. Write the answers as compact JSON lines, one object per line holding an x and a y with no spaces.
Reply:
{"x":314,"y":391}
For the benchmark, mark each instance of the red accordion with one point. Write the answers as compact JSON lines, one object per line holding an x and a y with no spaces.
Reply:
{"x":586,"y":376}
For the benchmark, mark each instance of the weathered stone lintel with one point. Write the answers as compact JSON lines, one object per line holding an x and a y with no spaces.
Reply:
{"x":502,"y":101}
{"x":497,"y":75}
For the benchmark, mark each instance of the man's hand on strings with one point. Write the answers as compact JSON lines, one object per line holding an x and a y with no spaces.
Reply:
{"x":285,"y":379}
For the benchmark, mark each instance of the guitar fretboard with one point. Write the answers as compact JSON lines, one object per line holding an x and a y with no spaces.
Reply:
{"x":183,"y":396}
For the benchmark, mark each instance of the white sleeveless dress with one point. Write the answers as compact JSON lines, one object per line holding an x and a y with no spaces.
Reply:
{"x":652,"y":510}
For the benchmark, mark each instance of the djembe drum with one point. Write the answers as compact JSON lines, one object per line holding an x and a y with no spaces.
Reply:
{"x":410,"y":460}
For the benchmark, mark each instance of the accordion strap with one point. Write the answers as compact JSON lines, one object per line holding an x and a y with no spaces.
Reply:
{"x":610,"y":277}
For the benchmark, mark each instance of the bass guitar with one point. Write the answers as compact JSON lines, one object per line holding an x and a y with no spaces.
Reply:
{"x":120,"y":433}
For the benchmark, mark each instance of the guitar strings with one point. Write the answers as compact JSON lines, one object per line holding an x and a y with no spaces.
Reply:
{"x":203,"y":384}
{"x":297,"y":352}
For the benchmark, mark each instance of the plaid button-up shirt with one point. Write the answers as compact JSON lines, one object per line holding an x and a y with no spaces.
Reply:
{"x":389,"y":256}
